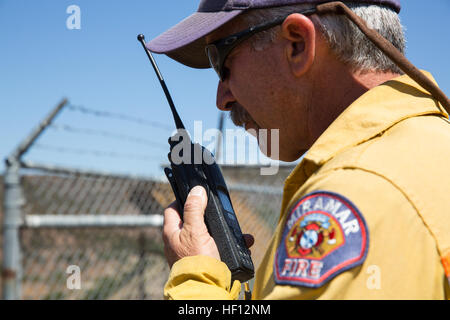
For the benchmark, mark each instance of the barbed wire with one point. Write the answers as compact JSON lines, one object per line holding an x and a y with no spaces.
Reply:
{"x":97,"y":153}
{"x":119,"y":116}
{"x":107,"y":134}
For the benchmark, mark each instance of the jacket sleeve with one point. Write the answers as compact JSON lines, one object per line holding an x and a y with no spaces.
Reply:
{"x":201,"y":278}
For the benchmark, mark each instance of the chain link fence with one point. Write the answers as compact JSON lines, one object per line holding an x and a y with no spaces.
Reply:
{"x":115,"y":262}
{"x":106,"y":229}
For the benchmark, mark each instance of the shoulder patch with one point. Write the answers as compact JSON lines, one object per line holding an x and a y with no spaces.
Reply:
{"x":325,"y":235}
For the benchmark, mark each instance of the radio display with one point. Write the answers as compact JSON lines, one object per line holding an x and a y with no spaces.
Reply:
{"x":225,"y":201}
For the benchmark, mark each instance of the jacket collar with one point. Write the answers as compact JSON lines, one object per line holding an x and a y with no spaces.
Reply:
{"x":373,"y":113}
{"x":369,"y":116}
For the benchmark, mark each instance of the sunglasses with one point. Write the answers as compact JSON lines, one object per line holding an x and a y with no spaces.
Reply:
{"x":219,"y":50}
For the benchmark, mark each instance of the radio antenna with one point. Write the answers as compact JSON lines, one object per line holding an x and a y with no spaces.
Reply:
{"x":178,"y":123}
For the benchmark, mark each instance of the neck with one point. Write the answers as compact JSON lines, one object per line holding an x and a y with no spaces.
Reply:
{"x":337,"y":91}
{"x":370,"y":80}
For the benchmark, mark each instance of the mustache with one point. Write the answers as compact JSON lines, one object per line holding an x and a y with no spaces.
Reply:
{"x":239,"y":115}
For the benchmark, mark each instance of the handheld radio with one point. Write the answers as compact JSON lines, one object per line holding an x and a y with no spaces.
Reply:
{"x":194,"y":165}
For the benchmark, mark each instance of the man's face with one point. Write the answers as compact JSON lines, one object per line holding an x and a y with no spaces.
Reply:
{"x":259,"y":93}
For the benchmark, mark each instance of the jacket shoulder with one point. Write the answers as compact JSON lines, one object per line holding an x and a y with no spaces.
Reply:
{"x":394,"y":232}
{"x":414,"y":156}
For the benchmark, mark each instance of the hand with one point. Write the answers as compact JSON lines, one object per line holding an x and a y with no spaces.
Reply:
{"x":190,"y":237}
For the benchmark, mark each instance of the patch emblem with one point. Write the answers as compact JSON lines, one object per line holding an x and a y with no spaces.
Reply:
{"x":325,"y":234}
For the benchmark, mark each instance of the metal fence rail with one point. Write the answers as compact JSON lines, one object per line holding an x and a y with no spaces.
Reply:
{"x":90,"y":221}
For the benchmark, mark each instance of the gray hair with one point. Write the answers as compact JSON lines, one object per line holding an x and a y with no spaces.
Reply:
{"x":347,"y":42}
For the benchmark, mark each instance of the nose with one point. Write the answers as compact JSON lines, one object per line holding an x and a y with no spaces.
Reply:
{"x":225,"y":97}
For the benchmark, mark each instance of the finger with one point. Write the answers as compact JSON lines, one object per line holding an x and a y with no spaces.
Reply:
{"x":249,"y":240}
{"x":194,"y":208}
{"x":172,"y":220}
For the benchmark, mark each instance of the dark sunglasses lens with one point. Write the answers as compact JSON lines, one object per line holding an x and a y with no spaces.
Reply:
{"x":213,"y":56}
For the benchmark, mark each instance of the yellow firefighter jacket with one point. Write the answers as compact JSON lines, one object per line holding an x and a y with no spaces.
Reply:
{"x":365,"y":215}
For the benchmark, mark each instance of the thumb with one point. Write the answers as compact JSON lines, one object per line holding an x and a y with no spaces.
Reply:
{"x":194,"y":208}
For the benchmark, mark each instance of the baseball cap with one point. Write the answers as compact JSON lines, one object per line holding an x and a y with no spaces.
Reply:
{"x":185,"y":42}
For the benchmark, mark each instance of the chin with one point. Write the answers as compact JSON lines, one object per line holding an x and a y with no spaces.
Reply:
{"x":289,"y":157}
{"x":280,"y":153}
{"x":282,"y":157}
{"x":273,"y":146}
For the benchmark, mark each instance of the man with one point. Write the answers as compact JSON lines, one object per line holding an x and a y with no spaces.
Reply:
{"x":365,"y":215}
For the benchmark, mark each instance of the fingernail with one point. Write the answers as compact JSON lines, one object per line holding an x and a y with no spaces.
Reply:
{"x":196,"y":191}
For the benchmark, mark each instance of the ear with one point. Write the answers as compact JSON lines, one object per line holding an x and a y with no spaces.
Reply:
{"x":300,"y":33}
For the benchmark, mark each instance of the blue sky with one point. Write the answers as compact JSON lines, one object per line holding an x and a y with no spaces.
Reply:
{"x":102,"y":67}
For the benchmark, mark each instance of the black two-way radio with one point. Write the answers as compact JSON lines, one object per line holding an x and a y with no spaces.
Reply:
{"x":194,"y":165}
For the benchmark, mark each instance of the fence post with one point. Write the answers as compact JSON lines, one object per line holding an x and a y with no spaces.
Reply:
{"x":13,"y":202}
{"x":12,"y":205}
{"x":25,"y":145}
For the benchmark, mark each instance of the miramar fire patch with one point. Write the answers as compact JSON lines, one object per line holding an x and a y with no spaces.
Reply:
{"x":325,"y":234}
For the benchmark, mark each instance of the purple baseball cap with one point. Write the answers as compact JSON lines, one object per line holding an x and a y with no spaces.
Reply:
{"x":186,"y":43}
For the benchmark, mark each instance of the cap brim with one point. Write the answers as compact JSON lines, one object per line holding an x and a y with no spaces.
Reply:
{"x":186,"y":43}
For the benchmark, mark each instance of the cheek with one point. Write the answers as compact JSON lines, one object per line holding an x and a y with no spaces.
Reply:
{"x":255,"y":86}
